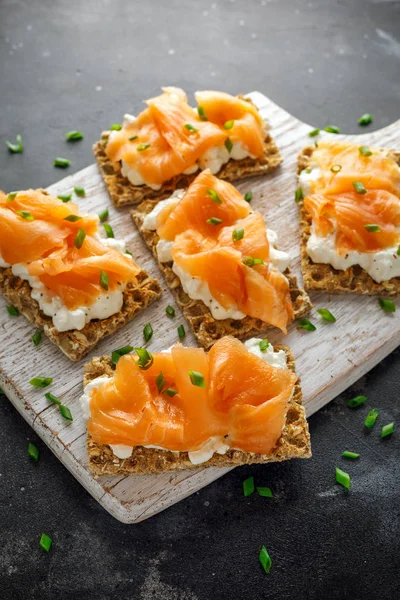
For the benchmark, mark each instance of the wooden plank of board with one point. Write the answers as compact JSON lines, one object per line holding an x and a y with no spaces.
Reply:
{"x":328,"y":360}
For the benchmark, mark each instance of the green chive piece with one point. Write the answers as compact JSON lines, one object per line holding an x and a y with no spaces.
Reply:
{"x":73,"y":136}
{"x":371,"y":418}
{"x":197,"y":379}
{"x":170,"y":311}
{"x":79,"y":238}
{"x":326,"y":315}
{"x":228,"y":145}
{"x":128,"y":252}
{"x":181,"y":331}
{"x":365,"y":119}
{"x":365,"y":151}
{"x":306,"y":324}
{"x":316,"y":144}
{"x":387,"y":305}
{"x":348,"y":454}
{"x":65,"y":412}
{"x":45,"y":542}
{"x":263,"y":344}
{"x":298,"y":195}
{"x":372,"y":228}
{"x":248,"y":196}
{"x":357,"y":401}
{"x":265,"y":559}
{"x":147,"y":332}
{"x":33,"y":451}
{"x":11,"y":196}
{"x":146,"y":359}
{"x":133,"y":138}
{"x":190,"y":128}
{"x":72,"y":218}
{"x":41,"y":382}
{"x":65,"y":197}
{"x":79,"y":191}
{"x":202,"y":113}
{"x":103,"y":216}
{"x":53,"y":399}
{"x":160,"y":382}
{"x":214,"y":196}
{"x":116,"y":127}
{"x":229,"y":124}
{"x":387,"y":430}
{"x":63,"y":163}
{"x":109,"y":230}
{"x":116,"y":354}
{"x":336,"y":168}
{"x":248,"y":486}
{"x":249,"y":261}
{"x":37,"y":337}
{"x":214,"y":221}
{"x":104,"y":280}
{"x":398,"y":251}
{"x":15,"y":148}
{"x":170,"y":392}
{"x":14,"y":312}
{"x":343,"y":478}
{"x":142,"y":147}
{"x":238,"y":234}
{"x":266,"y":492}
{"x":1,"y":391}
{"x":332,"y":129}
{"x":314,"y":132}
{"x":25,"y":215}
{"x":359,"y":187}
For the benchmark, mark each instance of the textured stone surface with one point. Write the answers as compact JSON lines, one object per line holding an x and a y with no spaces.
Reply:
{"x":326,"y":62}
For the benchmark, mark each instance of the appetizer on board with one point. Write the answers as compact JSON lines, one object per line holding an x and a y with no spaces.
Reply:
{"x":184,"y":408}
{"x":220,"y":261}
{"x":58,"y":272}
{"x":168,"y":143}
{"x":350,"y":218}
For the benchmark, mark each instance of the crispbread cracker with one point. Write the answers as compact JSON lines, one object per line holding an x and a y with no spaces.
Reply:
{"x":207,"y":329}
{"x":293,"y":443}
{"x":76,"y":344}
{"x":323,"y":277}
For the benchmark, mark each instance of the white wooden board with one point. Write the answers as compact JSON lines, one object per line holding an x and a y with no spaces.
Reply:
{"x":328,"y":360}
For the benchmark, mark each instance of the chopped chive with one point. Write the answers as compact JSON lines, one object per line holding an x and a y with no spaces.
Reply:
{"x":170,"y":392}
{"x":359,"y":187}
{"x":308,"y":171}
{"x":387,"y":305}
{"x":306,"y":324}
{"x":371,"y":418}
{"x":45,"y":542}
{"x":160,"y":382}
{"x":332,"y":129}
{"x":365,"y":151}
{"x":249,"y":261}
{"x":37,"y":336}
{"x":79,"y":238}
{"x":33,"y":451}
{"x":109,"y":230}
{"x":103,"y":216}
{"x":170,"y":311}
{"x":266,"y":492}
{"x":147,"y":332}
{"x":72,"y":218}
{"x":372,"y":228}
{"x":104,"y":280}
{"x":146,"y":359}
{"x":228,"y":145}
{"x":14,"y":312}
{"x":1,"y":391}
{"x":73,"y":136}
{"x":79,"y":191}
{"x":387,"y":430}
{"x":398,"y":251}
{"x":65,"y":412}
{"x":128,"y":252}
{"x":11,"y":196}
{"x":24,"y":214}
{"x":336,"y":168}
{"x":142,"y":147}
{"x":343,"y":478}
{"x":298,"y":195}
{"x":41,"y":382}
{"x":116,"y":354}
{"x":197,"y":379}
{"x":181,"y":331}
{"x":248,"y":486}
{"x":238,"y":234}
{"x":229,"y":124}
{"x":202,"y":113}
{"x":357,"y":401}
{"x":190,"y":128}
{"x":116,"y":127}
{"x":348,"y":454}
{"x":313,"y":132}
{"x":326,"y":315}
{"x":248,"y":196}
{"x":316,"y":144}
{"x":365,"y":119}
{"x":263,"y":345}
{"x":16,"y":148}
{"x":53,"y":399}
{"x":63,"y":163}
{"x":133,"y":138}
{"x":265,"y":559}
{"x":214,"y":196}
{"x":214,"y":221}
{"x":65,"y":197}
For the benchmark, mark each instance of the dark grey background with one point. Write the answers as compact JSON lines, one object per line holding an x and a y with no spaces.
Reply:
{"x":80,"y":65}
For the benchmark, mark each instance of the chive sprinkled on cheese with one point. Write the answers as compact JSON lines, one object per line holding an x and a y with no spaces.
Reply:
{"x":103,"y":215}
{"x":12,"y":311}
{"x":238,"y":234}
{"x":365,"y":119}
{"x":359,"y":187}
{"x":348,"y":454}
{"x":387,"y":430}
{"x":365,"y":151}
{"x":326,"y":315}
{"x":63,"y":163}
{"x":116,"y":354}
{"x":356,"y":401}
{"x":306,"y":325}
{"x":248,"y":196}
{"x":265,"y":559}
{"x":65,"y":197}
{"x":41,"y":382}
{"x":45,"y":542}
{"x":197,"y":379}
{"x":33,"y":451}
{"x":170,"y":311}
{"x":214,"y":196}
{"x":147,"y":332}
{"x":181,"y":331}
{"x":79,"y":238}
{"x":37,"y":337}
{"x":104,"y":280}
{"x":109,"y":230}
{"x":248,"y":486}
{"x":74,"y":136}
{"x":371,"y":418}
{"x":16,"y":148}
{"x":145,"y":360}
{"x":343,"y":478}
{"x":263,"y":345}
{"x":387,"y":305}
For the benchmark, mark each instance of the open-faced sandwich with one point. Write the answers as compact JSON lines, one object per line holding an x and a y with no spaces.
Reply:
{"x":62,"y":276}
{"x":220,"y":261}
{"x":164,"y":147}
{"x":350,"y":218}
{"x":183,"y":408}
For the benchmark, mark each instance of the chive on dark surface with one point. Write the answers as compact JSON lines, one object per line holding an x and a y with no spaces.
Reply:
{"x":265,"y":492}
{"x":109,"y":230}
{"x":74,"y":136}
{"x":62,"y":163}
{"x":45,"y":542}
{"x":342,"y":478}
{"x":332,"y":129}
{"x":371,"y":418}
{"x":357,"y":401}
{"x":41,"y":382}
{"x":365,"y":119}
{"x":170,"y":311}
{"x":348,"y":454}
{"x":79,"y":191}
{"x":265,"y":559}
{"x":37,"y":337}
{"x":181,"y":331}
{"x":12,"y":311}
{"x":147,"y":332}
{"x":16,"y":148}
{"x":387,"y":305}
{"x":33,"y":451}
{"x":116,"y":354}
{"x":387,"y":430}
{"x":248,"y":486}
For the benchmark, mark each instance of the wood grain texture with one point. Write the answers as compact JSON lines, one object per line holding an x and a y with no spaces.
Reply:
{"x":328,"y":360}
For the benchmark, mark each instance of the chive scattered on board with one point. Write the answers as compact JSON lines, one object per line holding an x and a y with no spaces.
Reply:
{"x":14,"y":312}
{"x":265,"y":492}
{"x":37,"y":337}
{"x":147,"y":332}
{"x":170,"y":311}
{"x":265,"y":559}
{"x":357,"y":401}
{"x":63,"y":163}
{"x":79,"y":191}
{"x":343,"y":478}
{"x":314,"y":132}
{"x":16,"y":148}
{"x":306,"y":325}
{"x":332,"y":129}
{"x":326,"y":315}
{"x":248,"y":486}
{"x":65,"y":197}
{"x":103,"y":215}
{"x":365,"y":119}
{"x":41,"y":382}
{"x":371,"y":418}
{"x":387,"y":430}
{"x":109,"y":230}
{"x":116,"y":354}
{"x":64,"y":410}
{"x":298,"y":195}
{"x":104,"y":280}
{"x":45,"y":542}
{"x":74,"y":136}
{"x":387,"y":305}
{"x":348,"y":454}
{"x":33,"y":451}
{"x":197,"y":379}
{"x":181,"y":331}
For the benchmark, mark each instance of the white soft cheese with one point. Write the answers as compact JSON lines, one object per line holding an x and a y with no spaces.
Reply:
{"x":276,"y":359}
{"x":307,"y":178}
{"x":215,"y":158}
{"x":3,"y":264}
{"x":87,"y":392}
